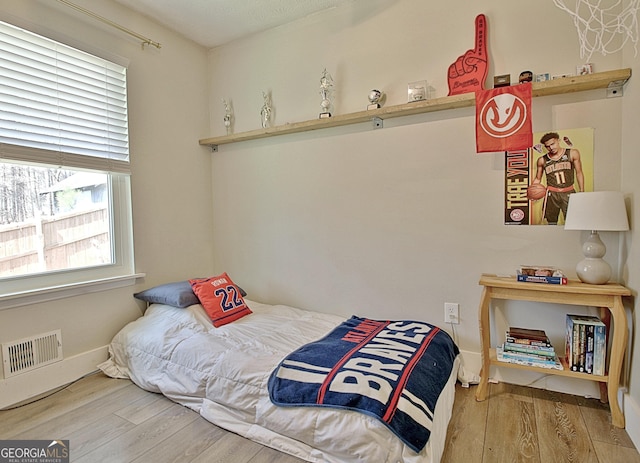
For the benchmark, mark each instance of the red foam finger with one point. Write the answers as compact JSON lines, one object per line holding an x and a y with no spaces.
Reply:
{"x":460,"y":66}
{"x":452,"y":71}
{"x":481,"y":37}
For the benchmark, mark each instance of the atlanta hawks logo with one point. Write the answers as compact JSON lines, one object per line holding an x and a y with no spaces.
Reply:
{"x":503,"y":115}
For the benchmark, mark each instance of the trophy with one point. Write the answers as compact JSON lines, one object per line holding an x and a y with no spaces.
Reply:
{"x":326,"y":89}
{"x":375,"y":99}
{"x":265,"y":112}
{"x":228,"y":115}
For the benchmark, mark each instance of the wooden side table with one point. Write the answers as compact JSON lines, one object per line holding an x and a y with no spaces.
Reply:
{"x":607,"y":297}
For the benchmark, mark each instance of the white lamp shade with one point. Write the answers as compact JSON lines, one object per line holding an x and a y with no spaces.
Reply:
{"x":597,"y":210}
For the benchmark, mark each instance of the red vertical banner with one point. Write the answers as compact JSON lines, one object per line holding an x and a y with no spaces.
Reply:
{"x":503,"y":119}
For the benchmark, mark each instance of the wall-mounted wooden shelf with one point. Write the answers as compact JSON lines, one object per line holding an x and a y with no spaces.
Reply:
{"x":608,"y":79}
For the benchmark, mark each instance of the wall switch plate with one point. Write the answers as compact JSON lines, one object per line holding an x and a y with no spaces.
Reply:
{"x":451,"y":312}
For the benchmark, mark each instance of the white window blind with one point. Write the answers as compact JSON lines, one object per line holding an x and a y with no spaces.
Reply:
{"x":61,"y":106}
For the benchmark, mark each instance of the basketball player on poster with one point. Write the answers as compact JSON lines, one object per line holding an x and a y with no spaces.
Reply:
{"x":559,"y":171}
{"x":563,"y":170}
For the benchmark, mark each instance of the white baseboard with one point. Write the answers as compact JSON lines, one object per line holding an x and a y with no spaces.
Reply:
{"x":631,"y":411}
{"x":36,"y":382}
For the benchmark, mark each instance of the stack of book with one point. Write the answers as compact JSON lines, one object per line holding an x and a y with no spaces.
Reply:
{"x":586,"y":344}
{"x":537,"y":274}
{"x":528,"y":347}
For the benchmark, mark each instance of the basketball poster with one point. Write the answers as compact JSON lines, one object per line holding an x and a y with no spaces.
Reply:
{"x":539,"y":179}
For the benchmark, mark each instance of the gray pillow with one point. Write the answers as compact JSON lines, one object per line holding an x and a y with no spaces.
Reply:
{"x":178,"y":294}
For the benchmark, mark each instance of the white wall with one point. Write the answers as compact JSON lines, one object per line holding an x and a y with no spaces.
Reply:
{"x":631,"y":244}
{"x":171,"y":176}
{"x":397,"y":221}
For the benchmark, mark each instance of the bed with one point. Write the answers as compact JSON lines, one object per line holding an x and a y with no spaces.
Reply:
{"x":224,"y":374}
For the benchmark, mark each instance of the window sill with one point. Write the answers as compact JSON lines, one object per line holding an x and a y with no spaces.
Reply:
{"x":52,"y":293}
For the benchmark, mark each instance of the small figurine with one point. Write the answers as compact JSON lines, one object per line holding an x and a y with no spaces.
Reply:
{"x":228,"y":113}
{"x":326,"y":88}
{"x":265,"y":112}
{"x":525,"y":76}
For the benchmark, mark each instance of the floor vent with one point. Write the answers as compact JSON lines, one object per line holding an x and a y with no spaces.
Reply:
{"x":30,"y":353}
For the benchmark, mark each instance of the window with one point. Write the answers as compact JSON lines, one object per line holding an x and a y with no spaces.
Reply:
{"x":65,"y":202}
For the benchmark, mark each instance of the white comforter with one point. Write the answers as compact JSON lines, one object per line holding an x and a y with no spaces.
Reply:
{"x":222,"y":373}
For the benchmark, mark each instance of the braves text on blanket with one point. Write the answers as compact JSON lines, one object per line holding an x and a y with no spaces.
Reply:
{"x":392,"y":370}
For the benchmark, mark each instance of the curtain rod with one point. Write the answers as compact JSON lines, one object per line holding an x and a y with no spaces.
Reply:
{"x":145,"y":40}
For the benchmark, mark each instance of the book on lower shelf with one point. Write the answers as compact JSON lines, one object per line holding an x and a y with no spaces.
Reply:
{"x":539,"y":274}
{"x":530,"y":347}
{"x":544,"y":351}
{"x":527,"y":360}
{"x":586,"y":344}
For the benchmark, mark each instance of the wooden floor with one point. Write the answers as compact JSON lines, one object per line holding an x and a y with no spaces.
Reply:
{"x":108,"y":420}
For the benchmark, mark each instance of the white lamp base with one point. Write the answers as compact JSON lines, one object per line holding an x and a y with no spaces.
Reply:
{"x":592,"y":269}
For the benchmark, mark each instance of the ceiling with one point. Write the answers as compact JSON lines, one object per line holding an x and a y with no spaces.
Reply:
{"x":216,"y":22}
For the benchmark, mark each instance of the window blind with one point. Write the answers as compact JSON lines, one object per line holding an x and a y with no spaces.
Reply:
{"x":59,"y":105}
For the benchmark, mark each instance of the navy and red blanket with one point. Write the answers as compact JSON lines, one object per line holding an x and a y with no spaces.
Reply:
{"x":392,"y":370}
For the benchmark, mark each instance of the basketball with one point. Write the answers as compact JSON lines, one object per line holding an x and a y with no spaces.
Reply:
{"x":536,"y":191}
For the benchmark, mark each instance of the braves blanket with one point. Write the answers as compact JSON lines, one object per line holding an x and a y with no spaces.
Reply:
{"x":392,"y":370}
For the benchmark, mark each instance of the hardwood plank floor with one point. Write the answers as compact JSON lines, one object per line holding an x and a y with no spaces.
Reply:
{"x":522,"y":424}
{"x":109,"y":420}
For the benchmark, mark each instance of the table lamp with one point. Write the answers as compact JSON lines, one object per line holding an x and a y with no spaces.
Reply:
{"x":595,"y":211}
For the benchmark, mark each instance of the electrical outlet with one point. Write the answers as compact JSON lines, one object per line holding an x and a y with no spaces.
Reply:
{"x":451,"y":312}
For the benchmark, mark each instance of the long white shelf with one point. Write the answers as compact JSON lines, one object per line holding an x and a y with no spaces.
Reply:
{"x":607,"y":79}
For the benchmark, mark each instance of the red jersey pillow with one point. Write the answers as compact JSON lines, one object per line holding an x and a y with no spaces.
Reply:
{"x":220,"y":298}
